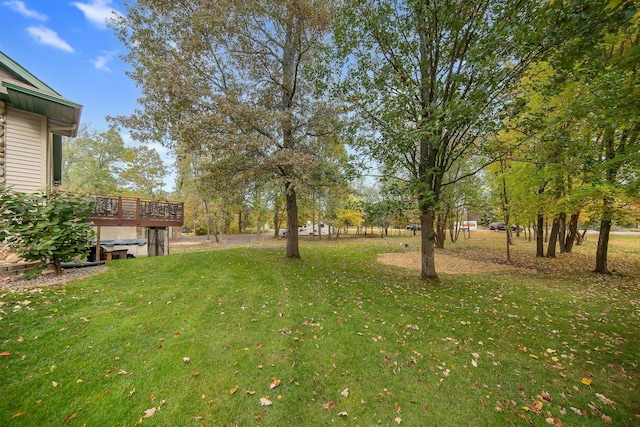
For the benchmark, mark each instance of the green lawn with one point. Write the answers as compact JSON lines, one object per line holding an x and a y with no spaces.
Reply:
{"x":335,"y":338}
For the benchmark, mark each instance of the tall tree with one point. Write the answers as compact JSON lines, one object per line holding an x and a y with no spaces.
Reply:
{"x":232,"y":78}
{"x":610,"y":80}
{"x":430,"y":78}
{"x":144,"y":171}
{"x":92,"y":161}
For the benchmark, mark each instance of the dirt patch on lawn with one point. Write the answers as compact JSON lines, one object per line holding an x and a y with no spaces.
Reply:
{"x":450,"y":264}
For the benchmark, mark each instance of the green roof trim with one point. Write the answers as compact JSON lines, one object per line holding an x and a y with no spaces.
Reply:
{"x":26,"y":92}
{"x":41,"y":95}
{"x":24,"y":74}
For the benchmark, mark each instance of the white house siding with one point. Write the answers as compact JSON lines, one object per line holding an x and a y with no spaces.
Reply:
{"x":25,"y":151}
{"x":3,"y":120}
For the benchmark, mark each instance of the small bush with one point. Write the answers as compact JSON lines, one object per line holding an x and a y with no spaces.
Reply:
{"x":47,"y":227}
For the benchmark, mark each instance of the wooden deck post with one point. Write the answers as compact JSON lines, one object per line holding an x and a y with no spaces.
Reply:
{"x":98,"y":245}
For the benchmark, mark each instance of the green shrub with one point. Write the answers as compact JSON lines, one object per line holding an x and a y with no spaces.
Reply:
{"x":47,"y":227}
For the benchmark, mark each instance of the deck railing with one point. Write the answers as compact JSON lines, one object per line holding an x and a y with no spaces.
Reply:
{"x":125,"y":211}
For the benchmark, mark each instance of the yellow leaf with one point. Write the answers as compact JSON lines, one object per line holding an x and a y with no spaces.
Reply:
{"x":533,"y":355}
{"x":586,"y":381}
{"x":233,"y":390}
{"x":19,"y":414}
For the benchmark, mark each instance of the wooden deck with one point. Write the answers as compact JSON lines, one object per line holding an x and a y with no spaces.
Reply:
{"x":123,"y":211}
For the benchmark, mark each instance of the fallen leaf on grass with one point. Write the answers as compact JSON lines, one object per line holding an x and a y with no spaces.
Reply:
{"x":545,"y":396}
{"x":343,"y":414}
{"x":186,"y":359}
{"x":233,"y":390}
{"x":275,"y":383}
{"x":265,"y":402}
{"x":328,"y":405}
{"x":578,"y":411}
{"x":345,"y":392}
{"x":605,"y":400}
{"x":398,"y":420}
{"x":19,"y":414}
{"x":149,"y":412}
{"x":554,"y":421}
{"x":586,"y":381}
{"x":5,"y":353}
{"x":69,"y":417}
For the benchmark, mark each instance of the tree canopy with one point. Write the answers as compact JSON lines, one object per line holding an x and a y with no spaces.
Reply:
{"x":234,"y":80}
{"x":431,"y":81}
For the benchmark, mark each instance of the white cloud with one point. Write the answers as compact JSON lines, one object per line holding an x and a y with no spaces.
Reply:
{"x":101,"y":61}
{"x":48,"y":37}
{"x":21,"y":8}
{"x":98,"y":12}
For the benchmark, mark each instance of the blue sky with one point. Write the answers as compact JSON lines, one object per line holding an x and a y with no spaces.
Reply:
{"x":68,"y":45}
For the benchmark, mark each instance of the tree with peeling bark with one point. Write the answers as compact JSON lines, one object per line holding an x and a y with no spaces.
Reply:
{"x":430,"y":79}
{"x":235,"y":80}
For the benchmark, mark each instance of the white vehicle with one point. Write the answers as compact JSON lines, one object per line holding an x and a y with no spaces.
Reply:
{"x":307,"y":231}
{"x":302,"y":231}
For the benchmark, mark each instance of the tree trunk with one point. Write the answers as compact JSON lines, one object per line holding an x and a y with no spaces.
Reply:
{"x":573,"y":232}
{"x":240,"y":222}
{"x":292,"y":250}
{"x":603,"y":238}
{"x":215,"y":225}
{"x":428,"y":238}
{"x":553,"y":238}
{"x":540,"y":236}
{"x":562,"y":231}
{"x":539,"y":226}
{"x":57,"y":266}
{"x":276,"y":225}
{"x":603,"y":247}
{"x":441,"y":235}
{"x":206,"y":215}
{"x":276,"y":219}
